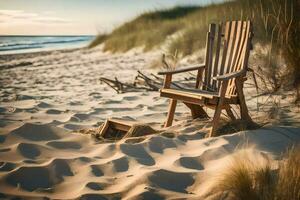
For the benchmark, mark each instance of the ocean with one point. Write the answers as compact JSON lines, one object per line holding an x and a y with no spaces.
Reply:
{"x":25,"y":44}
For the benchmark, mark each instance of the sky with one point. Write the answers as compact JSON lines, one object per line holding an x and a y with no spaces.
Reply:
{"x":75,"y":17}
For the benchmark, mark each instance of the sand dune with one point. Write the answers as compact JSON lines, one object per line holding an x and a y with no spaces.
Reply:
{"x":42,"y":154}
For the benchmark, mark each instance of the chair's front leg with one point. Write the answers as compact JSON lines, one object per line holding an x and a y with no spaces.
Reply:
{"x":170,"y":117}
{"x":218,"y":110}
{"x":173,"y":102}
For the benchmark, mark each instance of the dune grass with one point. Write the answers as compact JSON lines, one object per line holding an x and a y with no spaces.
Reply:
{"x":250,"y":179}
{"x":147,"y":30}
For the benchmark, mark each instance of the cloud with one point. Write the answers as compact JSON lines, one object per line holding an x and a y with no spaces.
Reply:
{"x":55,"y":20}
{"x":21,"y":17}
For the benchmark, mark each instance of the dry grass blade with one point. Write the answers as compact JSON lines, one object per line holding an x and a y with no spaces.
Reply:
{"x":257,"y":179}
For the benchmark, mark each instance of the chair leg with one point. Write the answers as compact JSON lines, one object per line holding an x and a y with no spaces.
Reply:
{"x":218,"y":110}
{"x":216,"y":119}
{"x":243,"y":106}
{"x":197,"y":111}
{"x":171,"y":113}
{"x":230,"y":113}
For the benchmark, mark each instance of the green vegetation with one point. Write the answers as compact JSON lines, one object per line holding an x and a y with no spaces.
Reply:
{"x":276,"y":23}
{"x":148,"y":30}
{"x":249,"y":179}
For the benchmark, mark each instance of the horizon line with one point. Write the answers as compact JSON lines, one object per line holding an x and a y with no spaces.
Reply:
{"x":41,"y":35}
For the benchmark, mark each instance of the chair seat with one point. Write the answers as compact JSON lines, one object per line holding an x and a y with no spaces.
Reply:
{"x":188,"y":95}
{"x":195,"y":96}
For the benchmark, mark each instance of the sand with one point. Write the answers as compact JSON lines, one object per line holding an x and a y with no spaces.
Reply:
{"x":47,"y":97}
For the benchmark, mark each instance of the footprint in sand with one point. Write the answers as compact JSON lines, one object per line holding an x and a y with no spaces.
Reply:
{"x":36,"y":132}
{"x":54,"y":112}
{"x":94,"y":186}
{"x":7,"y":166}
{"x":28,"y":150}
{"x":64,"y":145}
{"x":191,"y":163}
{"x":180,"y":181}
{"x":92,"y":197}
{"x":138,"y":153}
{"x":159,"y":144}
{"x":121,"y":164}
{"x":96,"y":170}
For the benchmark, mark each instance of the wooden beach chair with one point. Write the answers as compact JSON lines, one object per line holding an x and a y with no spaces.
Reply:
{"x":219,"y":82}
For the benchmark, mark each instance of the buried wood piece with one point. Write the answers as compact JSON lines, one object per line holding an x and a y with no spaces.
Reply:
{"x":117,"y":129}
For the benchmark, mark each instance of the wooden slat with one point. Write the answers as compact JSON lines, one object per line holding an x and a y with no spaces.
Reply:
{"x":230,"y":51}
{"x":231,"y":46}
{"x":104,"y":128}
{"x":239,"y":26}
{"x":237,"y":46}
{"x":183,"y":97}
{"x":235,"y":65}
{"x":242,"y":51}
{"x":236,"y":61}
{"x":191,"y":92}
{"x":218,"y":49}
{"x":206,"y":59}
{"x":247,"y":46}
{"x":182,"y":69}
{"x":115,"y":124}
{"x":225,"y":45}
{"x":208,"y":56}
{"x":212,"y":31}
{"x":120,"y":125}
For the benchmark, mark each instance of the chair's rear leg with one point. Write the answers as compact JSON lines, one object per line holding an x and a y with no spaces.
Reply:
{"x":243,"y":106}
{"x":230,"y":113}
{"x":197,"y":111}
{"x":171,"y":112}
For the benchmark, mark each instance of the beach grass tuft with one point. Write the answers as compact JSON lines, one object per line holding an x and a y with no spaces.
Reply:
{"x":258,"y":179}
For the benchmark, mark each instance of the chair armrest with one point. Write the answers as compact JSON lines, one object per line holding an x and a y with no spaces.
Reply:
{"x":230,"y":75}
{"x":186,"y":69}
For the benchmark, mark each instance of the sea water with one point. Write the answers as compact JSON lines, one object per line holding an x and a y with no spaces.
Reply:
{"x":24,"y":44}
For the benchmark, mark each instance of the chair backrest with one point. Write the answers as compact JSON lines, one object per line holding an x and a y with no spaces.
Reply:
{"x":227,"y":50}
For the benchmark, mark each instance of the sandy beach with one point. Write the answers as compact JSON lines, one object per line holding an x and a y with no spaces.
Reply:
{"x":46,"y":98}
{"x":150,"y":100}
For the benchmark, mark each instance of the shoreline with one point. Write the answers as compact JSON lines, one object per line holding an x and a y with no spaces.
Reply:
{"x":28,"y":55}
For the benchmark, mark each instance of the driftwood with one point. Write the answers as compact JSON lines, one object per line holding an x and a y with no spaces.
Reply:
{"x":144,"y":82}
{"x":141,"y":82}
